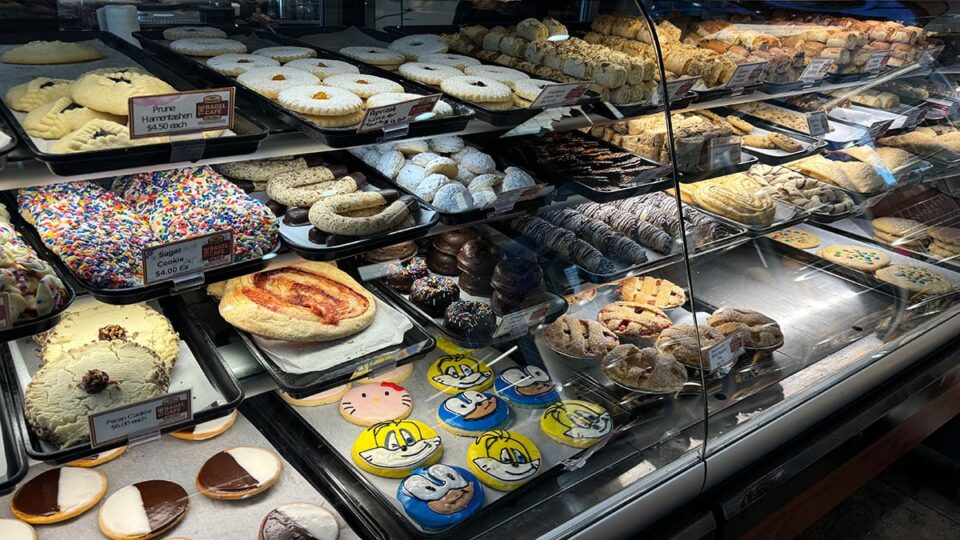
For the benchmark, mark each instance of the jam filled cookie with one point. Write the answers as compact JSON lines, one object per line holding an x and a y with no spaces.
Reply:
{"x":432,"y":74}
{"x":576,"y":423}
{"x":363,"y":85}
{"x":30,"y":95}
{"x":527,"y":386}
{"x":207,"y":46}
{"x":286,"y":54}
{"x":12,"y":529}
{"x":440,"y":496}
{"x":238,"y":473}
{"x":58,"y":118}
{"x":299,"y":521}
{"x":58,"y":495}
{"x":503,"y":460}
{"x":471,"y":413}
{"x":109,"y":92}
{"x":501,"y":74}
{"x":232,"y":64}
{"x":378,"y":56}
{"x":206,"y":430}
{"x":98,"y":459}
{"x":477,"y":89}
{"x":395,"y":449}
{"x":143,"y":510}
{"x":322,"y":67}
{"x":455,"y":373}
{"x":189,"y":32}
{"x":417,"y":45}
{"x":458,"y":61}
{"x":529,"y":89}
{"x":373,"y":403}
{"x":270,"y":81}
{"x":326,"y":397}
{"x":320,"y":100}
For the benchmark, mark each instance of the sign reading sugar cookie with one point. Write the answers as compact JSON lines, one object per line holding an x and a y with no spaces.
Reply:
{"x":397,"y":114}
{"x":184,"y":112}
{"x":176,"y":259}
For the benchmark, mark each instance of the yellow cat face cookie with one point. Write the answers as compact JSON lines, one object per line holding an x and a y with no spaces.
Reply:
{"x":456,"y":373}
{"x":395,"y":449}
{"x":576,"y":423}
{"x":503,"y":460}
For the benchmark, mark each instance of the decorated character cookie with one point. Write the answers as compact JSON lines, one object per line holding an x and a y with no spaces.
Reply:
{"x":503,"y":460}
{"x":458,"y":372}
{"x":369,"y":404}
{"x":471,"y":413}
{"x":527,"y":386}
{"x":394,"y":449}
{"x":440,"y":496}
{"x":576,"y":423}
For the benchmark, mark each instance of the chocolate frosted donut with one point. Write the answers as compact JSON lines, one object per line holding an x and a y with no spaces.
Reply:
{"x":433,"y":294}
{"x":471,"y":319}
{"x":401,"y":276}
{"x":451,"y":242}
{"x":476,"y":262}
{"x":442,"y":263}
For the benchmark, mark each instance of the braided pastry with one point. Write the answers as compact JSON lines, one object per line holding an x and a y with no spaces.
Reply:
{"x":580,"y":337}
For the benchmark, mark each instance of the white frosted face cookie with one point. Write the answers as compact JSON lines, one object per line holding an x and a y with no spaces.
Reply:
{"x":30,"y":95}
{"x":320,"y":100}
{"x":232,"y":64}
{"x":363,"y":85}
{"x":322,"y":67}
{"x":207,"y":46}
{"x":286,"y":54}
{"x":270,"y":81}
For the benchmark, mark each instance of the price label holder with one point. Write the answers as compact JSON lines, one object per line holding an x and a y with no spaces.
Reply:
{"x":877,"y":60}
{"x":140,"y":420}
{"x":560,"y":95}
{"x":185,"y":112}
{"x":878,"y":129}
{"x":370,"y":272}
{"x":507,"y":200}
{"x":914,"y":116}
{"x":185,"y":259}
{"x":518,"y":323}
{"x":398,"y":116}
{"x":723,"y":152}
{"x":816,"y":69}
{"x":726,"y":352}
{"x":6,"y":321}
{"x":817,"y":123}
{"x":746,"y":74}
{"x":676,"y":89}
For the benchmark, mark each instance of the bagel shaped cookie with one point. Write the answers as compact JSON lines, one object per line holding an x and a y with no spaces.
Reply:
{"x":330,"y":215}
{"x":306,"y":187}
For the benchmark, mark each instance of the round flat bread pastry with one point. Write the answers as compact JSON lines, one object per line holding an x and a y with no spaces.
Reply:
{"x":143,"y":510}
{"x":527,"y":386}
{"x":856,"y":257}
{"x":503,"y":460}
{"x":99,"y":458}
{"x":326,"y":397}
{"x":109,"y":92}
{"x":440,"y":496}
{"x":286,"y":54}
{"x":373,"y":403}
{"x":576,"y":423}
{"x":797,"y":238}
{"x":471,"y":413}
{"x":238,"y":473}
{"x":187,"y":32}
{"x":233,"y":64}
{"x":395,"y":449}
{"x":206,"y":430}
{"x":50,"y":52}
{"x":455,"y":373}
{"x":58,"y":495}
{"x":303,"y":302}
{"x":14,"y":529}
{"x":299,"y":521}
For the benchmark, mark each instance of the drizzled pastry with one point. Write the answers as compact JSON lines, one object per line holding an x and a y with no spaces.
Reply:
{"x":565,"y":242}
{"x":598,"y":234}
{"x":583,"y":159}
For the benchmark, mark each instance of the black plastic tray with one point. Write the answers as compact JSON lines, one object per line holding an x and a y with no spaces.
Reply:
{"x":130,"y":295}
{"x":14,"y":456}
{"x":747,"y":160}
{"x":208,"y":357}
{"x":11,"y":144}
{"x":456,"y":218}
{"x":655,"y":179}
{"x":711,"y":94}
{"x":248,"y":131}
{"x":814,"y":145}
{"x":779,"y":87}
{"x":153,"y":42}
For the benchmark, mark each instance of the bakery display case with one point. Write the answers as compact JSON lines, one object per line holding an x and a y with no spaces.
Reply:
{"x":550,"y":269}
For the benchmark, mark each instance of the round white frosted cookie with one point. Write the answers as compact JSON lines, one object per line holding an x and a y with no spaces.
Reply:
{"x":363,"y":85}
{"x":477,"y":89}
{"x":286,"y":54}
{"x":505,"y":75}
{"x":427,"y":188}
{"x":206,"y":430}
{"x":232,"y":65}
{"x":479,"y":163}
{"x":529,"y":89}
{"x":390,"y":163}
{"x":517,"y":178}
{"x":426,"y":73}
{"x":207,"y":46}
{"x":417,"y":45}
{"x":322,"y":67}
{"x":373,"y":55}
{"x":188,"y":32}
{"x":14,"y":529}
{"x":446,"y":144}
{"x":453,"y":197}
{"x":270,"y":81}
{"x":320,"y":100}
{"x":410,"y":176}
{"x":458,"y":61}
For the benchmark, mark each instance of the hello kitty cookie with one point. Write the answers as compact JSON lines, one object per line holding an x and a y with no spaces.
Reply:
{"x":368,"y":404}
{"x":455,"y":373}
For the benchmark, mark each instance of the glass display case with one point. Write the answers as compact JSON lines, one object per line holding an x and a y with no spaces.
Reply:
{"x":437,"y":269}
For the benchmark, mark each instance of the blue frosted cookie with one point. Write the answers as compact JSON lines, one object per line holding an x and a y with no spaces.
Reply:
{"x":526,"y":386}
{"x":440,"y":496}
{"x":471,"y":413}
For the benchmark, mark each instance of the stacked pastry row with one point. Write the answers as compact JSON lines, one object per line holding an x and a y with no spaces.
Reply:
{"x":780,"y":116}
{"x":794,"y":188}
{"x":100,"y":233}
{"x":445,"y":171}
{"x":861,"y":169}
{"x":617,"y":77}
{"x":938,"y":242}
{"x":937,"y":142}
{"x":328,"y":93}
{"x":33,"y":289}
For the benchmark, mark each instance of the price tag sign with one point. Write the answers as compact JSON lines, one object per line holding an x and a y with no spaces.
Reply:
{"x":6,"y":321}
{"x":397,"y":114}
{"x":185,"y":112}
{"x":878,"y":129}
{"x":877,"y":60}
{"x":723,"y":152}
{"x":914,"y":116}
{"x":817,"y":123}
{"x":507,"y":200}
{"x":817,"y":69}
{"x":190,"y":256}
{"x":746,"y":74}
{"x":518,"y":323}
{"x":131,"y":421}
{"x":726,"y":352}
{"x":560,"y":95}
{"x":676,"y":89}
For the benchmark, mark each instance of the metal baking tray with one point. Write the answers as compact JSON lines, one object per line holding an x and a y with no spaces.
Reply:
{"x":416,"y":343}
{"x":862,"y":229}
{"x":178,"y":461}
{"x":556,"y":306}
{"x":747,"y":160}
{"x":864,"y":116}
{"x":786,"y":215}
{"x":129,"y":295}
{"x":470,"y":216}
{"x":776,"y":156}
{"x":199,"y":359}
{"x":12,"y":454}
{"x":265,"y":108}
{"x":843,"y":134}
{"x":247,"y":132}
{"x":326,"y":428}
{"x":518,"y":150}
{"x":721,"y":92}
